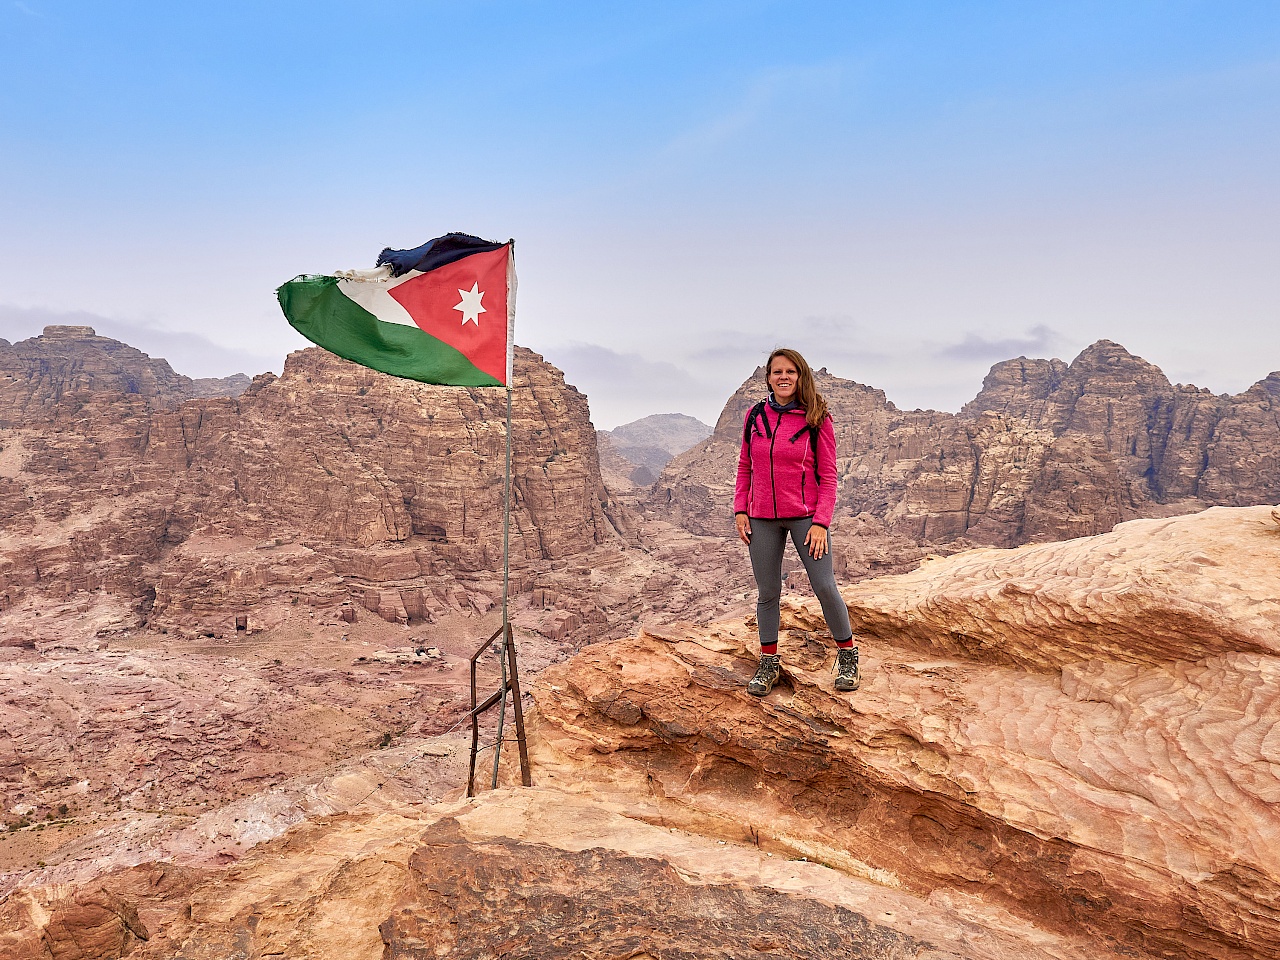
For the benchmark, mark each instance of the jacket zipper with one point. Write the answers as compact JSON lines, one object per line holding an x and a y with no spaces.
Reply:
{"x":773,"y":482}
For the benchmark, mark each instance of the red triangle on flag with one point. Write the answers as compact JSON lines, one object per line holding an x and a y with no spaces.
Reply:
{"x":444,"y":304}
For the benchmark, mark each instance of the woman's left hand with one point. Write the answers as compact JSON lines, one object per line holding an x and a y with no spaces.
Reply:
{"x":816,"y":541}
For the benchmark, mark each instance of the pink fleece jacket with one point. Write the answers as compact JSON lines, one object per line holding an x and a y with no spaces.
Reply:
{"x":777,"y":476}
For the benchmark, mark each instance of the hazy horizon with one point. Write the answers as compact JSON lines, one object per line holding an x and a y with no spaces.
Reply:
{"x":186,"y":344}
{"x":906,"y":193}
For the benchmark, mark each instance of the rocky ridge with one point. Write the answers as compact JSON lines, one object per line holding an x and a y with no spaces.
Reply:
{"x":1036,"y":726}
{"x":345,"y":519}
{"x":331,"y":488}
{"x":1081,"y":734}
{"x":1046,"y":451}
{"x":74,"y":360}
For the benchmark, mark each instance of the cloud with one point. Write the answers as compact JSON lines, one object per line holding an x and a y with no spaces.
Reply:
{"x":764,"y":94}
{"x":737,"y":348}
{"x":1039,"y":340}
{"x":626,"y":386}
{"x":188,"y":353}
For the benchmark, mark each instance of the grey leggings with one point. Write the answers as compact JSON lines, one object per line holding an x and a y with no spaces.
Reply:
{"x":768,"y":541}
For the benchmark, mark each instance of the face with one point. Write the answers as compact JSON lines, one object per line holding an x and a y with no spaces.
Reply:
{"x":783,"y":378}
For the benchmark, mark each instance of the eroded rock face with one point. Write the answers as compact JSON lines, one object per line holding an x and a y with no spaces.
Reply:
{"x":1046,"y":451}
{"x":521,"y":872}
{"x":1060,"y":751}
{"x":329,"y":485}
{"x":484,"y":898}
{"x":70,"y":361}
{"x":647,"y":445}
{"x":1081,"y":733}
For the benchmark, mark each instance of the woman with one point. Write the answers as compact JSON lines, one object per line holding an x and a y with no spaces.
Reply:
{"x":787,"y":486}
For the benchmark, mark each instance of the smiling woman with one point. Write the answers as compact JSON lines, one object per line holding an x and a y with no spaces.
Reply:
{"x":787,"y":488}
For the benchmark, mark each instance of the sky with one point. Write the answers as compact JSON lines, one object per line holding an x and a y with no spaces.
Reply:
{"x":906,"y":192}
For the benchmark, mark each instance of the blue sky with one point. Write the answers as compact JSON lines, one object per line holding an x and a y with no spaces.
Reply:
{"x":907,"y":192}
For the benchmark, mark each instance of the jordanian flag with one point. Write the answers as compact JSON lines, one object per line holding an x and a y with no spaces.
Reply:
{"x":443,"y":312}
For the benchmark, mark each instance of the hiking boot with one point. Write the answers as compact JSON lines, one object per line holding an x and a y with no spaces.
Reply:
{"x":848,"y":676}
{"x":766,"y":675}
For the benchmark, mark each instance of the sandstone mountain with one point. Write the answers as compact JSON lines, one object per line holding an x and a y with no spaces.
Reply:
{"x":328,"y":485}
{"x":671,"y":432}
{"x":648,"y":444}
{"x":1064,"y":750}
{"x":331,"y":493}
{"x":36,"y":373}
{"x":349,"y":521}
{"x":128,"y":500}
{"x":1046,"y":451}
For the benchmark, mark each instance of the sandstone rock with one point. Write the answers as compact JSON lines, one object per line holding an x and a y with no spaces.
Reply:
{"x":1046,"y":451}
{"x":1176,"y":589}
{"x":536,"y":872}
{"x":1059,"y":751}
{"x":470,"y":898}
{"x":673,"y":433}
{"x":93,"y":924}
{"x":102,"y":920}
{"x":648,"y":444}
{"x":208,"y":387}
{"x":65,"y":363}
{"x":329,"y":485}
{"x":1080,"y":767}
{"x":616,"y":471}
{"x":1078,"y":733}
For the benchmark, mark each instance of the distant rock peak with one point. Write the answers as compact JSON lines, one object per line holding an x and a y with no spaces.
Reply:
{"x":67,"y":331}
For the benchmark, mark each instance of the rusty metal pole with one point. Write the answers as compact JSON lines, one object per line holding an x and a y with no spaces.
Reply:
{"x":475,"y":733}
{"x":506,"y":583}
{"x":502,"y":704}
{"x":506,"y":656}
{"x":526,"y":776}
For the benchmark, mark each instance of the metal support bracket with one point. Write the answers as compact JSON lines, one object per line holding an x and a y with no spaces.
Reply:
{"x":511,"y":683}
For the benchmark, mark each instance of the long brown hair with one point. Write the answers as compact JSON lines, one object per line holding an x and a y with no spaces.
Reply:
{"x":807,"y":395}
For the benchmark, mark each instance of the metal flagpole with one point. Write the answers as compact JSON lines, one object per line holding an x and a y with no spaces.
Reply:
{"x":507,"y":639}
{"x":506,"y":646}
{"x":506,"y":518}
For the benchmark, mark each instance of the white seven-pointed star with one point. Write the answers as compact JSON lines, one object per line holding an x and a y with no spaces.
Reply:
{"x":470,"y":304}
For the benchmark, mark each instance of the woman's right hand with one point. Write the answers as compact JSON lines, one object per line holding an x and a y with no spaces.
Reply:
{"x":744,"y":527}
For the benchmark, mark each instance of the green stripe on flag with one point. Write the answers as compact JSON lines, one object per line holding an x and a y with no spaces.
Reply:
{"x":321,"y":312}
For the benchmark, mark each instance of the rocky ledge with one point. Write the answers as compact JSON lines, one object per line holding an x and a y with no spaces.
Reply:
{"x":1081,"y":735}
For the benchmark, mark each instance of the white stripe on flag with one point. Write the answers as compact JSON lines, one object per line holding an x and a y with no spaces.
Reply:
{"x":374,"y":294}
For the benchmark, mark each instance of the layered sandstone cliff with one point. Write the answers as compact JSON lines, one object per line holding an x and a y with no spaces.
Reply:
{"x":1082,"y":734}
{"x":35,"y":374}
{"x":1046,"y":451}
{"x":334,"y":491}
{"x":327,"y":488}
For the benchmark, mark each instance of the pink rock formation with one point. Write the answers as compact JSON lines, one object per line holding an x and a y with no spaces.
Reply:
{"x":332,"y":485}
{"x":1061,"y":751}
{"x":1079,"y":733}
{"x":1046,"y":451}
{"x":69,"y":361}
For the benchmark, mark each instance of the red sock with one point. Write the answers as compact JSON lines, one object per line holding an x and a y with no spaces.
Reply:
{"x":845,"y":644}
{"x":769,"y":649}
